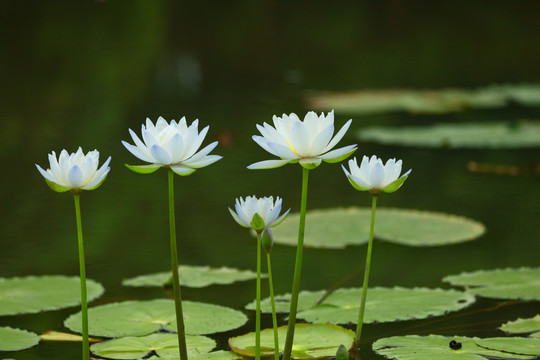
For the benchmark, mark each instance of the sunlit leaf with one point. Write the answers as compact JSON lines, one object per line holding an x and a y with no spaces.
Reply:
{"x":306,"y":300}
{"x":310,"y":341}
{"x":516,"y":345}
{"x":425,"y":101}
{"x":519,"y":284}
{"x":136,"y":318}
{"x":165,"y":345}
{"x":194,"y":276}
{"x":463,"y":135}
{"x":413,"y":347}
{"x":21,"y":295}
{"x":523,"y":326}
{"x":52,"y":335}
{"x":16,"y":339}
{"x":339,"y":227}
{"x":382,"y":304}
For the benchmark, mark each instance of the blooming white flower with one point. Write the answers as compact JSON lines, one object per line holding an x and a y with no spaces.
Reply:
{"x":172,"y":145}
{"x":375,"y":177}
{"x":307,"y":142}
{"x":75,"y":172}
{"x":258,"y":213}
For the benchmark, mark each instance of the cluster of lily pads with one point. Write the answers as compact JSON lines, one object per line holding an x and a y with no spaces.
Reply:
{"x":173,"y":329}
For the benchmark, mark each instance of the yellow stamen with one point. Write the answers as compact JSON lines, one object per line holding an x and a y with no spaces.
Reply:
{"x":288,"y":143}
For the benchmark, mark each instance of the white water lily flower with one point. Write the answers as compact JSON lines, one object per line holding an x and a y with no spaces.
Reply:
{"x":375,"y":177}
{"x":75,"y":172}
{"x":307,"y":142}
{"x":173,"y":145}
{"x":267,"y":211}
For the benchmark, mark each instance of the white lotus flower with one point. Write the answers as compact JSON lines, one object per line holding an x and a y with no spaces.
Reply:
{"x":375,"y":177}
{"x":267,"y":211}
{"x":172,"y":145}
{"x":75,"y":172}
{"x":307,"y":142}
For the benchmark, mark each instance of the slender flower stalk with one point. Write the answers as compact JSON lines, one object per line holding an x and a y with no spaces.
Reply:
{"x":356,"y":344}
{"x":174,"y":267}
{"x":297,"y":268}
{"x":76,"y":172}
{"x":82,"y":269}
{"x":373,"y":176}
{"x":267,"y":243}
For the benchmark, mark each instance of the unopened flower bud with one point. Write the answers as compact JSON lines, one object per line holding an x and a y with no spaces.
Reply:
{"x":267,"y":240}
{"x":342,"y":353}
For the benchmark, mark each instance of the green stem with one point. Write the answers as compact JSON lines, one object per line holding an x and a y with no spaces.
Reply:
{"x":258,"y":310}
{"x":356,"y":343}
{"x":174,"y":268}
{"x":297,"y":269}
{"x":82,"y":269}
{"x":274,"y":318}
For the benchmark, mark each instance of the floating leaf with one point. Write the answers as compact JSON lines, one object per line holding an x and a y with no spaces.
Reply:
{"x":16,"y":339}
{"x":306,"y":300}
{"x":517,"y":345}
{"x":413,"y":347}
{"x":22,"y":295}
{"x":518,"y":284}
{"x":382,"y":304}
{"x":136,"y":318}
{"x":425,"y":101}
{"x":463,"y":135}
{"x":310,"y":341}
{"x":214,"y":355}
{"x":164,"y":345}
{"x":522,"y":326}
{"x":193,"y":276}
{"x":52,"y":335}
{"x":339,"y":227}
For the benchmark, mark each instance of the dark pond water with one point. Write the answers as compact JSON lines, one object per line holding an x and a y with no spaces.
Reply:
{"x":82,"y":74}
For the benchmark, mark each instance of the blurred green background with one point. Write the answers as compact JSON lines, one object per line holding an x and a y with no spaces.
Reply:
{"x":82,"y":73}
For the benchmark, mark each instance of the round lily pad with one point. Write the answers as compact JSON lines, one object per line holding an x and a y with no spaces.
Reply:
{"x":463,"y":135}
{"x":339,"y":227}
{"x":413,"y":347}
{"x":193,"y":276}
{"x":519,"y":284}
{"x":136,"y":318}
{"x":523,"y":326}
{"x":382,"y":304}
{"x":214,"y":355}
{"x":22,"y":295}
{"x":306,"y":300}
{"x":164,"y":345}
{"x":310,"y":341}
{"x":16,"y":339}
{"x":516,"y":345}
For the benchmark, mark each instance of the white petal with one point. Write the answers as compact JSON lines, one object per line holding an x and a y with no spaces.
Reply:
{"x":263,"y":142}
{"x":237,"y":219}
{"x":75,"y":176}
{"x":139,"y":144}
{"x":300,"y":140}
{"x":201,"y":154}
{"x":182,"y":170}
{"x":196,"y":142}
{"x":45,"y":174}
{"x":207,"y":160}
{"x":337,"y":153}
{"x":136,"y":151}
{"x":268,"y":164}
{"x":160,"y":155}
{"x":321,"y":139}
{"x":376,"y":176}
{"x":281,"y":151}
{"x":338,"y":136}
{"x":175,"y":148}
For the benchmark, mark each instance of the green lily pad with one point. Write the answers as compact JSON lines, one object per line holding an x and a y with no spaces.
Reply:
{"x":136,"y":318}
{"x":214,"y":355}
{"x":516,"y":345}
{"x":413,"y":347}
{"x":165,"y":345}
{"x":193,"y":276}
{"x":425,"y":101}
{"x":306,"y":300}
{"x":16,"y":339}
{"x":463,"y":135}
{"x":338,"y":227}
{"x":382,"y":304}
{"x":23,"y":295}
{"x":523,"y":326}
{"x":518,"y":284}
{"x":310,"y":341}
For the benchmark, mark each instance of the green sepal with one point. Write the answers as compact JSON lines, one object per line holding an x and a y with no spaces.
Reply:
{"x":143,"y":169}
{"x":309,"y":166}
{"x":342,"y":157}
{"x":267,"y":240}
{"x":342,"y":353}
{"x":355,"y":185}
{"x":393,"y":186}
{"x":257,"y":222}
{"x":56,"y":187}
{"x":98,"y":185}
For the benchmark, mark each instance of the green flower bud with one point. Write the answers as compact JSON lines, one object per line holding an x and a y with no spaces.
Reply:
{"x":342,"y":353}
{"x":267,"y":240}
{"x":257,"y":223}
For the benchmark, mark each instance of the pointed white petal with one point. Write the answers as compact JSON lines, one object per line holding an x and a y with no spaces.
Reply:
{"x":207,"y":160}
{"x":338,"y":136}
{"x":337,"y":152}
{"x":136,"y":151}
{"x":160,"y":155}
{"x":182,"y":170}
{"x":45,"y":174}
{"x":300,"y":139}
{"x":268,"y":164}
{"x":201,"y":154}
{"x":377,"y":175}
{"x":75,"y":177}
{"x":175,"y":148}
